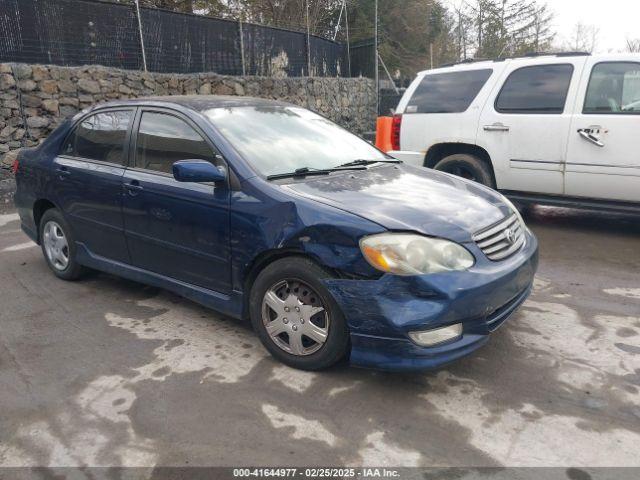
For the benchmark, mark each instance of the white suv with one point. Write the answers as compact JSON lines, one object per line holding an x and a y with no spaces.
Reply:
{"x":560,"y":129}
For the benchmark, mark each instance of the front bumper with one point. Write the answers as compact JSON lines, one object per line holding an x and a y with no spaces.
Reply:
{"x":381,"y":312}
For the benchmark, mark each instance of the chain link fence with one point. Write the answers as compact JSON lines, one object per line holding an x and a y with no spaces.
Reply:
{"x":86,"y":32}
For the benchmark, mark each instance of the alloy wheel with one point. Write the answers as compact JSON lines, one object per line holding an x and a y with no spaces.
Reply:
{"x":56,"y":245}
{"x":295,"y":318}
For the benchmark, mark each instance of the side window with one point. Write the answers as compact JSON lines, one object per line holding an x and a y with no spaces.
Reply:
{"x":536,"y":89}
{"x":614,"y":88}
{"x":447,"y":92}
{"x":100,"y":137}
{"x":164,"y":139}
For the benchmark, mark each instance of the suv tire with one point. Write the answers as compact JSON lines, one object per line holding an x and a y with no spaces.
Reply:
{"x":282,"y":277}
{"x":467,"y":166}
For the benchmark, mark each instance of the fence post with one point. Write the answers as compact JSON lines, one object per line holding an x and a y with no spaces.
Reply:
{"x":244,"y":68}
{"x":375,"y":48}
{"x":346,"y":21}
{"x":144,"y":56}
{"x":308,"y":44}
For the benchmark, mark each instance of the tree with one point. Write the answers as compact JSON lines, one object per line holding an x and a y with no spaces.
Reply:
{"x":463,"y":31}
{"x":412,"y":33}
{"x":633,"y":46}
{"x":584,"y":38}
{"x":506,"y":27}
{"x":185,"y":6}
{"x":542,"y":35}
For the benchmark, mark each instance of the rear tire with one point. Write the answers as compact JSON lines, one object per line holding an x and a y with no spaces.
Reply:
{"x":467,"y":166}
{"x":288,"y":300}
{"x":58,"y":246}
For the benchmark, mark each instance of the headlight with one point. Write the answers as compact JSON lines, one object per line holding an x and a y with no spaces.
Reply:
{"x":409,"y":254}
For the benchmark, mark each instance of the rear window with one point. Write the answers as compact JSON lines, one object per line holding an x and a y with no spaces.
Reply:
{"x":100,"y":137}
{"x":536,"y":89}
{"x":447,"y":92}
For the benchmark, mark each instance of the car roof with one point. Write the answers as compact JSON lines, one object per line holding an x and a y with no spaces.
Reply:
{"x":197,"y":102}
{"x":531,"y":59}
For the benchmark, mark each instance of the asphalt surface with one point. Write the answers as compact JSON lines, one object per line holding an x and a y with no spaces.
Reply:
{"x":110,"y":372}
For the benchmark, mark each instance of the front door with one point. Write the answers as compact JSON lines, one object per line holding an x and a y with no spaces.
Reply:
{"x":89,"y":168}
{"x":525,"y":129}
{"x":179,"y":230}
{"x":603,"y":160}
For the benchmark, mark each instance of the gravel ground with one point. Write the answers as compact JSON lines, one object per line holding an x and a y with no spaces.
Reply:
{"x":110,"y":372}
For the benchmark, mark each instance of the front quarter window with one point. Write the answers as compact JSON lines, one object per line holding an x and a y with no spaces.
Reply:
{"x":279,"y":139}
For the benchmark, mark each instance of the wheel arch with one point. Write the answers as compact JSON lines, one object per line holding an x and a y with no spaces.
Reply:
{"x":441,"y":150}
{"x":266,"y":258}
{"x":40,"y":206}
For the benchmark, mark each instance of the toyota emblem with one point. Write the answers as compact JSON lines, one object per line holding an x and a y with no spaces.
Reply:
{"x":510,"y":236}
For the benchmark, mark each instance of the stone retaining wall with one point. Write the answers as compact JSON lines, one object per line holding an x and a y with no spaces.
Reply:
{"x":35,"y":98}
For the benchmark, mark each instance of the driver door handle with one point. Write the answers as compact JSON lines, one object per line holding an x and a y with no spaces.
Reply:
{"x":133,"y":187}
{"x":496,"y":127}
{"x":590,"y":137}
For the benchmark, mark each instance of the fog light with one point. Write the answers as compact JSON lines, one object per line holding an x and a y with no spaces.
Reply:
{"x":428,"y":338}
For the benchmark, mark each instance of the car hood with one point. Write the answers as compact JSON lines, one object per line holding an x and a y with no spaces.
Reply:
{"x":405,"y":198}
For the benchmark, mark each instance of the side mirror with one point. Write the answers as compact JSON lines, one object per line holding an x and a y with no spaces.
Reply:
{"x":197,"y":171}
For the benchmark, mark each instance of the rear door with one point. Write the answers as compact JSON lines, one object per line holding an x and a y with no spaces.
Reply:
{"x":525,"y":124}
{"x":176,"y":229}
{"x":603,"y":159}
{"x":89,"y":172}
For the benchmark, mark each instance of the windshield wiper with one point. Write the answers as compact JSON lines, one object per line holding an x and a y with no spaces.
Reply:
{"x":368,"y":162}
{"x":305,"y":171}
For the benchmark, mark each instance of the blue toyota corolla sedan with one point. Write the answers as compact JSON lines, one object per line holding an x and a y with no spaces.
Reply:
{"x":265,"y":211}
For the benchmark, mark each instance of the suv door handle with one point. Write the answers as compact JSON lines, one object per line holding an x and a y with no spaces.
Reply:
{"x":496,"y":127}
{"x":588,"y":136}
{"x":134,"y":187}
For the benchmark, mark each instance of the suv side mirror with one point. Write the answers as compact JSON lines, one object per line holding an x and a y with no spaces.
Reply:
{"x":197,"y":171}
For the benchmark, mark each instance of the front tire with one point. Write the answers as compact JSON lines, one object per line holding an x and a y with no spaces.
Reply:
{"x":467,"y":166}
{"x":58,"y":246}
{"x":295,"y":316}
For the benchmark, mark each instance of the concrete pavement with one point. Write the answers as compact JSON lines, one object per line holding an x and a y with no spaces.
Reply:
{"x":110,"y":372}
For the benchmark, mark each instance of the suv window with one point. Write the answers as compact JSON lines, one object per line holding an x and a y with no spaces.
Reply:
{"x":164,"y":139}
{"x":614,"y":88}
{"x":447,"y":92}
{"x":100,"y":137}
{"x":535,"y":89}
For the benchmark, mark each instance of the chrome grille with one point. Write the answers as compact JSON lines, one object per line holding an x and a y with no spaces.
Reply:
{"x":501,"y":240}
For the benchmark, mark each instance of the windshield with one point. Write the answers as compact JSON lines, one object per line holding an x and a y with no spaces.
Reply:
{"x":282,"y":139}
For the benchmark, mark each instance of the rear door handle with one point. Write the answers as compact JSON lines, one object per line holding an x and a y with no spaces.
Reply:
{"x":63,"y":172}
{"x":133,"y":187}
{"x":590,"y":137}
{"x":496,"y":127}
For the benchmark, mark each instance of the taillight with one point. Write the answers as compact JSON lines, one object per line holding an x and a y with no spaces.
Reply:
{"x":15,"y":165}
{"x":395,"y":132}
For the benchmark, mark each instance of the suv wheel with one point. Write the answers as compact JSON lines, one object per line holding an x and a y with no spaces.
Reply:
{"x":467,"y":166}
{"x":296,"y":317}
{"x":58,"y":246}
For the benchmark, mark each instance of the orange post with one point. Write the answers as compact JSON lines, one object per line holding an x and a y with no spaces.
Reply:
{"x":383,"y":133}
